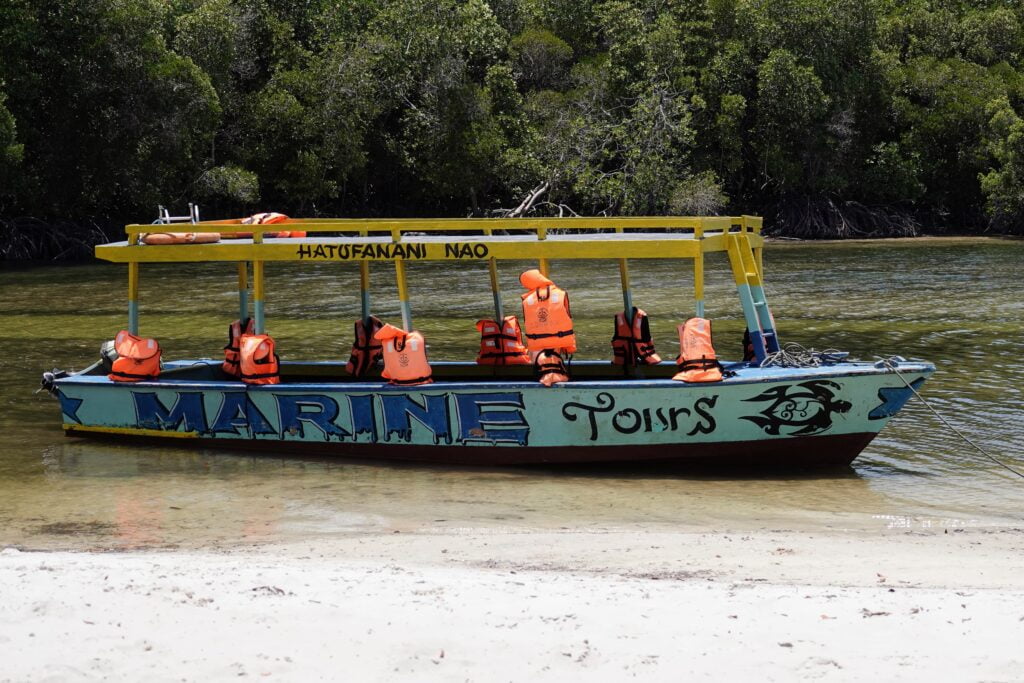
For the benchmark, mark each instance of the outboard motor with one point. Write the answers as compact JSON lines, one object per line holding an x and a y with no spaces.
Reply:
{"x":48,"y":383}
{"x":108,"y":355}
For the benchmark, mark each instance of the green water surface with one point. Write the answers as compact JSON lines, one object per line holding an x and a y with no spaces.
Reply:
{"x":957,"y":303}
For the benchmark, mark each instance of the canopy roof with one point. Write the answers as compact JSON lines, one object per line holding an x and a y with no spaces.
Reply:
{"x":444,"y":239}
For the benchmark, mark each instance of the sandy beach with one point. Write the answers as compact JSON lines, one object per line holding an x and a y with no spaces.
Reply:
{"x":481,"y":605}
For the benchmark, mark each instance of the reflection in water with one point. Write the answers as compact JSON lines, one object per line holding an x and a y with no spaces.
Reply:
{"x":157,"y":497}
{"x":917,"y":299}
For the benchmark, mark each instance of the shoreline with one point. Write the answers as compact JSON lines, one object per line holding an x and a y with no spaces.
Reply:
{"x":469,"y":603}
{"x":777,"y":240}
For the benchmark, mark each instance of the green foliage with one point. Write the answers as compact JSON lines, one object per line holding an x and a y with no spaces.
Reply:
{"x":848,"y":113}
{"x":111,"y":118}
{"x":698,"y":195}
{"x":791,"y":104}
{"x":11,"y":152}
{"x":542,"y":59}
{"x":1004,"y":185}
{"x":943,"y":112}
{"x":228,"y":182}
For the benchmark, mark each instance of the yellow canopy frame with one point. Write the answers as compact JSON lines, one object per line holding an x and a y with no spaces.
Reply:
{"x":461,"y":239}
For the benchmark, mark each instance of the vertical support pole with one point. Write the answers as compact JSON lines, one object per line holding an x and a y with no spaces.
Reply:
{"x":133,"y":297}
{"x":544,"y":267}
{"x":259,"y":323}
{"x":492,"y":267}
{"x":364,"y":282}
{"x":742,"y":279}
{"x":627,"y":294}
{"x":698,"y":270}
{"x":751,"y":292}
{"x":364,"y":289}
{"x":627,"y":303}
{"x":753,"y":226}
{"x":243,"y":290}
{"x":759,"y":252}
{"x":403,"y":295}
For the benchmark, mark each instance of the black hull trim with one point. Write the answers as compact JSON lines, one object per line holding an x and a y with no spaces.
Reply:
{"x":827,"y":450}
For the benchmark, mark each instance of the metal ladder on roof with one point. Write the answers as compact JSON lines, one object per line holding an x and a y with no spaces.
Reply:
{"x":164,"y":216}
{"x":749,"y":285}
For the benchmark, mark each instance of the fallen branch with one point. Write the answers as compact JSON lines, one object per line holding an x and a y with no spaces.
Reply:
{"x":527,"y":203}
{"x":562,"y":209}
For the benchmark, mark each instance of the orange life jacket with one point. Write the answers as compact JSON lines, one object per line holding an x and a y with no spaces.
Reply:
{"x":405,"y":356}
{"x":697,"y":361}
{"x":247,"y":235}
{"x":265,"y":218}
{"x":231,"y":351}
{"x":501,"y":344}
{"x":550,"y":368}
{"x":180,"y":237}
{"x":632,"y":344}
{"x":366,"y":350}
{"x":137,"y":358}
{"x":546,"y":314}
{"x":257,"y":361}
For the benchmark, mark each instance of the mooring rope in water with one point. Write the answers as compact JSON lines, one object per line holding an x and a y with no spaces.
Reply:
{"x":794,"y":355}
{"x":890,"y":364}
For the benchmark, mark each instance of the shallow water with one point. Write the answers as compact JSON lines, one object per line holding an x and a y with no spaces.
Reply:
{"x":957,"y":303}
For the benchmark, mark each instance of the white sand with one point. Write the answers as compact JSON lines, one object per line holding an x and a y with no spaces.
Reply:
{"x":483,"y":605}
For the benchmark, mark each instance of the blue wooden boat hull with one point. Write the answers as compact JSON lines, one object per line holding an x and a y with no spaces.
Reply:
{"x":763,"y":416}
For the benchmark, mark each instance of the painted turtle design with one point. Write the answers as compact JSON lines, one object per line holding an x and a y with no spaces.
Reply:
{"x":808,"y":405}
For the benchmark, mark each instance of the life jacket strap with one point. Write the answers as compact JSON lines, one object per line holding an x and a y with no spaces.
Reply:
{"x":498,"y":335}
{"x":259,"y":376}
{"x":415,"y":380}
{"x":699,"y":364}
{"x":129,"y":375}
{"x":549,"y":364}
{"x":561,"y":333}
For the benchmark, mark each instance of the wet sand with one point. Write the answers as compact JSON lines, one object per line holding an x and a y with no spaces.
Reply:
{"x":481,"y":604}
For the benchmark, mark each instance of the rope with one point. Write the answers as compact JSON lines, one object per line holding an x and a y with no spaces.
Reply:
{"x":793,"y":355}
{"x":888,"y":363}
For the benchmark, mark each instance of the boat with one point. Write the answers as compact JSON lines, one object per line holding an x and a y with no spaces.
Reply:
{"x":762,"y":413}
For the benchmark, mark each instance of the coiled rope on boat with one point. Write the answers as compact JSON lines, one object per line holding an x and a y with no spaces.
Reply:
{"x":794,"y":355}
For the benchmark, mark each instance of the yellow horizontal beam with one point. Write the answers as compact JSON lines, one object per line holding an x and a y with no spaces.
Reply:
{"x":469,"y":249}
{"x":719,"y":243}
{"x":753,"y":223}
{"x":398,"y":226}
